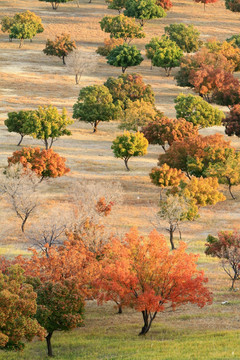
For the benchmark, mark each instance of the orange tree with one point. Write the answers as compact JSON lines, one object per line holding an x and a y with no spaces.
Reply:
{"x":45,"y":163}
{"x":153,"y":278}
{"x":17,"y":308}
{"x":60,"y":47}
{"x":164,"y":131}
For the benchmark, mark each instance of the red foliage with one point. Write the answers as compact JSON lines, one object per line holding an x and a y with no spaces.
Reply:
{"x":165,"y":4}
{"x":205,"y":2}
{"x":45,"y":163}
{"x":232,"y":121}
{"x":103,"y":208}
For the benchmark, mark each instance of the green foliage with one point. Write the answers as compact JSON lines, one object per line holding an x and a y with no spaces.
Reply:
{"x":121,"y":27}
{"x":127,"y":145}
{"x":185,"y":36}
{"x":168,"y":55}
{"x":232,"y":5}
{"x":129,"y":87}
{"x":46,"y":123}
{"x":235,"y":40}
{"x":22,"y":26}
{"x":60,"y":47}
{"x":152,"y":47}
{"x":95,"y":104}
{"x":124,"y":56}
{"x":55,"y":3}
{"x":196,"y":110}
{"x":17,"y":308}
{"x":144,"y":10}
{"x":16,"y":122}
{"x":116,"y":4}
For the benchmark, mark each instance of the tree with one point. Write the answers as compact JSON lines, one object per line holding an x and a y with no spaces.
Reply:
{"x":175,"y":209}
{"x":79,"y":63}
{"x":60,"y":307}
{"x":165,"y":4}
{"x":152,"y":47}
{"x":232,"y":5}
{"x":109,"y":44}
{"x":228,"y":94}
{"x":18,"y":186}
{"x":144,"y":10}
{"x":234,"y":40}
{"x":17,"y":307}
{"x":154,"y":277}
{"x":232,"y":121}
{"x":165,"y":176}
{"x":185,"y":36}
{"x":227,"y":49}
{"x":124,"y":56}
{"x":22,"y":26}
{"x":129,"y":87}
{"x":226,"y":169}
{"x":55,"y":3}
{"x":137,"y":114}
{"x":203,"y":190}
{"x":16,"y":121}
{"x":121,"y":27}
{"x":47,"y":124}
{"x":194,"y":62}
{"x":209,"y":81}
{"x":118,"y":5}
{"x":205,"y":2}
{"x":194,"y":109}
{"x":60,"y":47}
{"x":127,"y":145}
{"x":226,"y":247}
{"x":168,"y":55}
{"x":45,"y":163}
{"x":164,"y":131}
{"x":95,"y":104}
{"x":194,"y":154}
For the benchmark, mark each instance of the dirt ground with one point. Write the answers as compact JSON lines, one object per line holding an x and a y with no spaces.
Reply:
{"x":29,"y":78}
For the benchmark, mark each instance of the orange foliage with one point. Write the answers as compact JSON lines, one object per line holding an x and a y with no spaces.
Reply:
{"x":143,"y":273}
{"x":45,"y":163}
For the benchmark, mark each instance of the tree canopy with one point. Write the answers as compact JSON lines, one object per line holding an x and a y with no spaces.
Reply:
{"x":60,"y":47}
{"x":124,"y":56}
{"x":185,"y":36}
{"x":143,"y":10}
{"x":16,"y":122}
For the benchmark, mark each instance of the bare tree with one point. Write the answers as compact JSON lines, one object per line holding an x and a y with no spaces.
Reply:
{"x":80,"y":62}
{"x":175,"y":209}
{"x":18,"y":185}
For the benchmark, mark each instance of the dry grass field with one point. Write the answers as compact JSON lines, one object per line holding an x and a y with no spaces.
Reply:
{"x":29,"y":78}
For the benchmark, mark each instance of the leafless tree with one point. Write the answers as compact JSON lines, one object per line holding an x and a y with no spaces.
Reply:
{"x":18,"y":186}
{"x":80,"y":62}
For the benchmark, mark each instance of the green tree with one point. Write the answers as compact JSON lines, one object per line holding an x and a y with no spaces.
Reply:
{"x":168,"y":55}
{"x":60,"y":307}
{"x":121,"y":27}
{"x":22,"y":26}
{"x":118,"y":5}
{"x":198,"y":111}
{"x":129,"y":87}
{"x":17,"y":308}
{"x":95,"y":104}
{"x":124,"y":56}
{"x":55,"y":3}
{"x":128,"y":144}
{"x":185,"y":36}
{"x":152,"y":47}
{"x":232,"y":5}
{"x":144,"y":10}
{"x":16,"y":123}
{"x":60,"y":47}
{"x":47,"y":124}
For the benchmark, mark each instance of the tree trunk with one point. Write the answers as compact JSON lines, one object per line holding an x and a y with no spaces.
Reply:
{"x":204,"y":6}
{"x":20,"y":141}
{"x":46,"y":144}
{"x":230,"y":190}
{"x":23,"y":224}
{"x":119,"y":309}
{"x":126,"y":164}
{"x":21,"y":43}
{"x":123,"y":70}
{"x":171,"y":231}
{"x":95,"y":126}
{"x":51,"y":143}
{"x":76,"y":79}
{"x":9,"y":38}
{"x":63,"y":59}
{"x":49,"y":345}
{"x":54,"y":5}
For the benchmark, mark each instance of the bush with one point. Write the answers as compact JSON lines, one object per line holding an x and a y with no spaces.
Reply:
{"x":185,"y":36}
